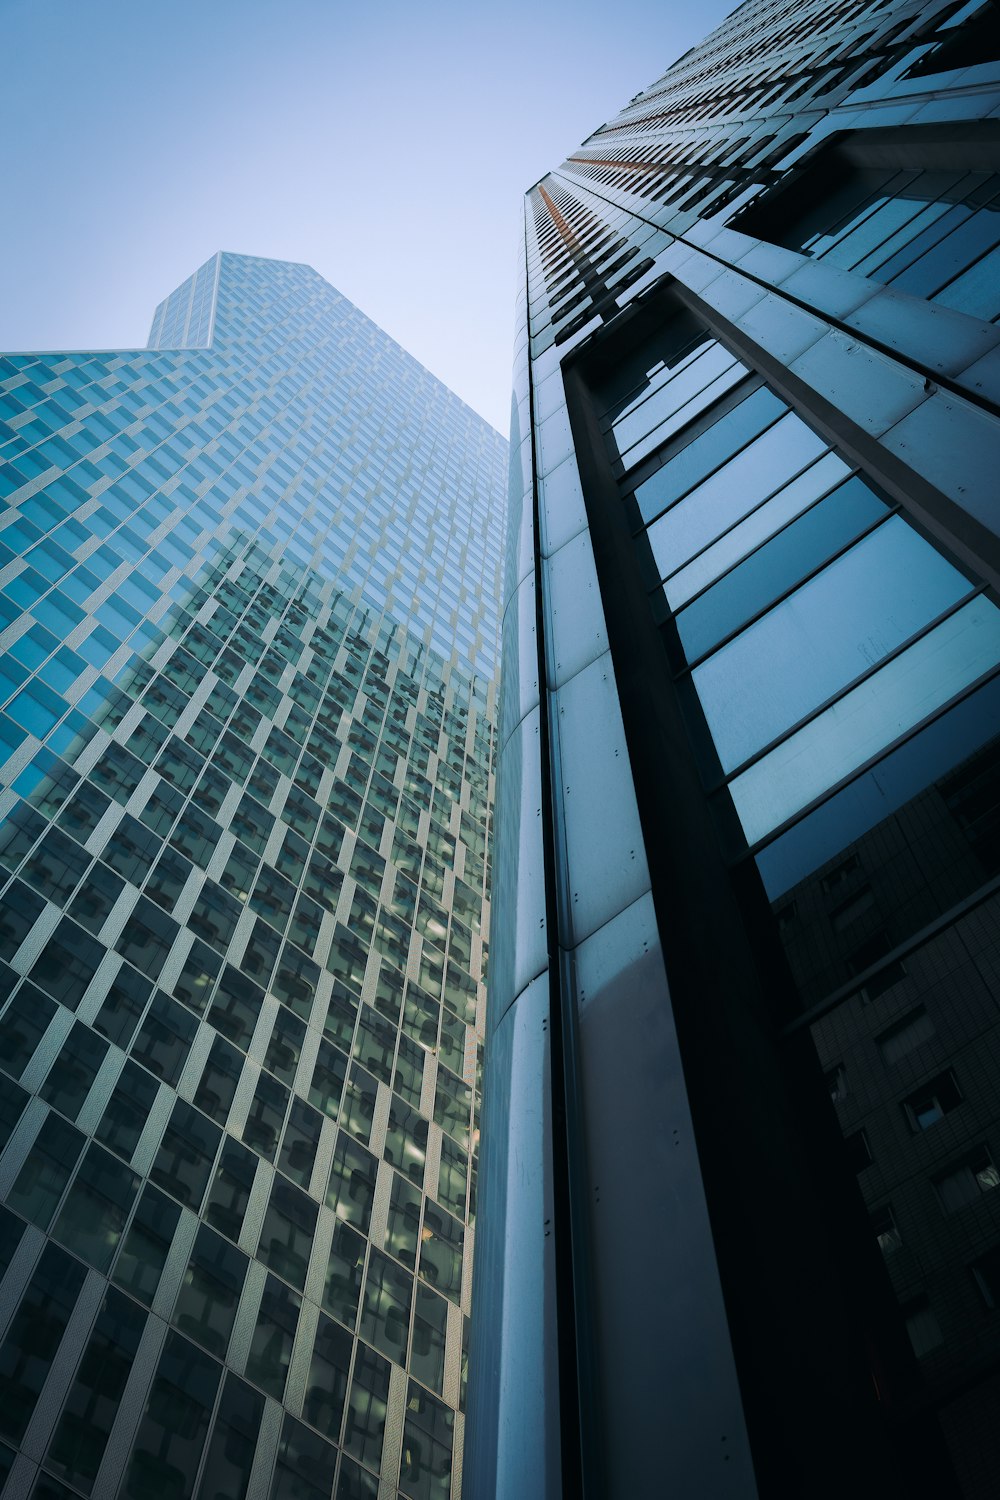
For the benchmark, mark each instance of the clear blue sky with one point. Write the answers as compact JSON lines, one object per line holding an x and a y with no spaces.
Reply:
{"x":387,"y":145}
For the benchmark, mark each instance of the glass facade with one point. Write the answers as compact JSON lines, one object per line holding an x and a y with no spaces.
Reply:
{"x":248,"y":597}
{"x":741,"y":1090}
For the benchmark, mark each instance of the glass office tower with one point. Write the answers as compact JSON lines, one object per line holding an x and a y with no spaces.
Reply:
{"x":740,"y":1214}
{"x":248,"y":603}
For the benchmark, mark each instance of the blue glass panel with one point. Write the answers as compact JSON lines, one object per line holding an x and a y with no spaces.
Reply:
{"x":823,"y":637}
{"x":764,"y":522}
{"x":976,"y":291}
{"x":732,"y":492}
{"x":891,"y":783}
{"x":869,"y":718}
{"x":775,"y":567}
{"x":707,"y":452}
{"x":673,"y":398}
{"x":952,"y":255}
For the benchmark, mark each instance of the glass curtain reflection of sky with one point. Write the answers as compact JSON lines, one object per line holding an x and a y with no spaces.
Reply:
{"x":386,"y":145}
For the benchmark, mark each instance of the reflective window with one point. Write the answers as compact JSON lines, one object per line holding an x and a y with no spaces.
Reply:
{"x":33,"y":1338}
{"x":210,"y":1292}
{"x":342,"y":1288}
{"x":82,"y":1434}
{"x":827,"y":633}
{"x":96,"y":1207}
{"x":364,"y":1428}
{"x":385,"y":1315}
{"x":47,"y":1169}
{"x":286,"y":1238}
{"x":425,"y":1472}
{"x":326,"y":1387}
{"x":305,"y":1466}
{"x":273,"y":1336}
{"x":430,"y":1323}
{"x":144,"y":1250}
{"x":174,"y":1425}
{"x":226,"y":1204}
{"x":229,"y":1460}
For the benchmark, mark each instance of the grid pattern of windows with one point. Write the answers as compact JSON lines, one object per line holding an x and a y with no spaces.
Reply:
{"x":244,"y":831}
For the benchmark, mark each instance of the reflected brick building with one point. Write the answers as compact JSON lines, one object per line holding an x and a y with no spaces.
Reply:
{"x":740,"y":1218}
{"x":248,"y":583}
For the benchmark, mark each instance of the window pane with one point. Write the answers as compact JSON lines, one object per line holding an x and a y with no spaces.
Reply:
{"x":174,"y":1425}
{"x":97,"y":1205}
{"x":229,"y":1462}
{"x":33,"y":1339}
{"x":210,"y":1292}
{"x":708,"y":452}
{"x":869,"y":718}
{"x":144,"y":1251}
{"x":327,"y":1384}
{"x":777,"y":566}
{"x":826,"y":634}
{"x":92,"y":1404}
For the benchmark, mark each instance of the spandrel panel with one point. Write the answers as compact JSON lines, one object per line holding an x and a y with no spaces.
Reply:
{"x":824,"y":636}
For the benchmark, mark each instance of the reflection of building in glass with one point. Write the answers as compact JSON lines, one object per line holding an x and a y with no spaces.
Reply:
{"x":749,"y":835}
{"x":248,"y":605}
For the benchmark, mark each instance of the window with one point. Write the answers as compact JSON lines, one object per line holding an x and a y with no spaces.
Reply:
{"x":430,"y":1323}
{"x":986,"y":1274}
{"x":79,"y":1441}
{"x":287,"y":1233}
{"x":266,"y":1116}
{"x":127,"y":1110}
{"x":366,"y":1408}
{"x":229,"y":1461}
{"x":922,"y":1326}
{"x":231,"y":1187}
{"x":24,"y":1023}
{"x":836,"y":1081}
{"x":174,"y":1426}
{"x":342,"y":1289}
{"x":441,"y":1251}
{"x":271,"y":1344}
{"x":46,"y":1171}
{"x":425,"y":1471}
{"x":869,"y":205}
{"x":904,"y":1035}
{"x":96,"y":1208}
{"x":144,"y":1249}
{"x":221,"y":1074}
{"x":34,"y":1336}
{"x":858,"y":1152}
{"x":966,"y":1182}
{"x":385,"y":1315}
{"x":352,"y":1183}
{"x":210,"y":1292}
{"x":326,"y":1387}
{"x":184,"y":1160}
{"x":930,"y":1103}
{"x":885,"y":1231}
{"x":305,"y":1466}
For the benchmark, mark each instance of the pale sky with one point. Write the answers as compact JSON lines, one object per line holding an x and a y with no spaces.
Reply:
{"x":387,"y":145}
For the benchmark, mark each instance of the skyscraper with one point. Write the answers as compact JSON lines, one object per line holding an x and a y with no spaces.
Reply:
{"x":739,"y":1225}
{"x":248,"y":586}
